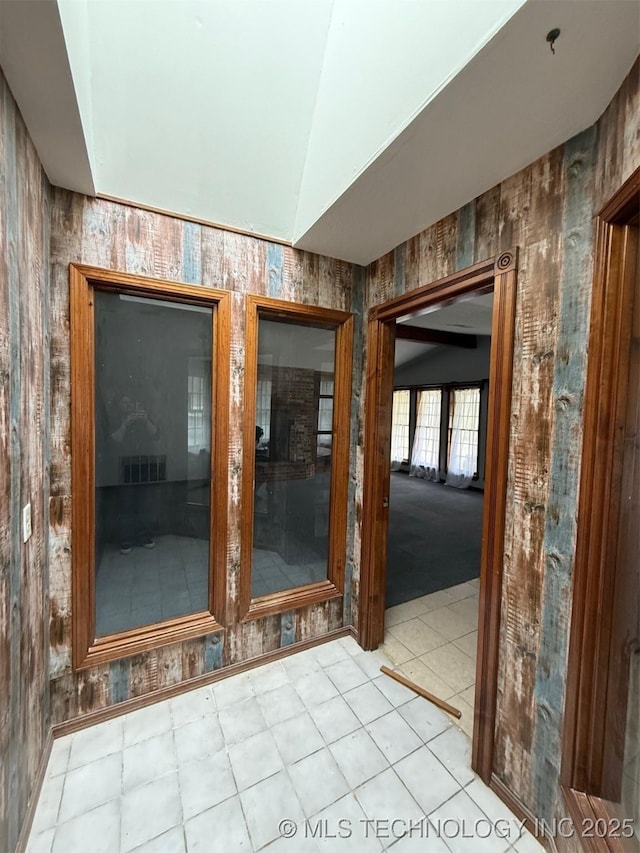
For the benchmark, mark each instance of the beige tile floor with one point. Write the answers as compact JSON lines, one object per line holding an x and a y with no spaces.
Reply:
{"x":351,"y":759}
{"x":432,"y":640}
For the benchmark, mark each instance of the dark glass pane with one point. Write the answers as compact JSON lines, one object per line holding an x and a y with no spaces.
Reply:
{"x":293,"y":465}
{"x":153,"y":460}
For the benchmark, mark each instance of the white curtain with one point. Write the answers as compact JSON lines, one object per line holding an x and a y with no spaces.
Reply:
{"x":399,"y":429}
{"x":263,"y":408}
{"x":425,"y":457}
{"x":463,"y":452}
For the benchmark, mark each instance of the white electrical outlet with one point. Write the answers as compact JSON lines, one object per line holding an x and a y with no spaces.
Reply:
{"x":26,"y":523}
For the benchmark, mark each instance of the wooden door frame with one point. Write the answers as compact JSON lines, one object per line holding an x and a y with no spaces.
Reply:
{"x":584,"y":766}
{"x":500,"y":274}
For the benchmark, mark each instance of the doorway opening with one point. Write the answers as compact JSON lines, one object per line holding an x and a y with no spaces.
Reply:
{"x":601,"y":739}
{"x":497,"y":276}
{"x":438,"y":452}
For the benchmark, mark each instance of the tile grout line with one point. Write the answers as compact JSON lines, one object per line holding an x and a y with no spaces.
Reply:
{"x":325,"y":663}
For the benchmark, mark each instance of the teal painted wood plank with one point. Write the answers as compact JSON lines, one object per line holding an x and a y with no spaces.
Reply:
{"x":560,"y":523}
{"x":274,"y":269}
{"x":191,"y":253}
{"x":213,"y":646}
{"x":466,"y":235}
{"x":287,"y":628}
{"x":399,"y":256}
{"x":119,"y":671}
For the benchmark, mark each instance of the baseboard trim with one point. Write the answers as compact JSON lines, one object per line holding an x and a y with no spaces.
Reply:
{"x":112,"y":711}
{"x":27,"y":823}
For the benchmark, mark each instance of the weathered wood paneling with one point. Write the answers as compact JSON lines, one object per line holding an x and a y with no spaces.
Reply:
{"x":310,"y":279}
{"x":234,"y":506}
{"x":213,"y":652}
{"x":531,"y":208}
{"x":356,"y":461}
{"x":466,"y":235}
{"x":412,"y":264}
{"x":104,"y":233}
{"x":486,"y":224}
{"x":399,"y":260}
{"x":618,"y":150}
{"x":212,"y":255}
{"x":293,"y":272}
{"x":287,"y":625}
{"x":547,"y":211}
{"x":559,"y":543}
{"x":5,"y":496}
{"x":24,"y":466}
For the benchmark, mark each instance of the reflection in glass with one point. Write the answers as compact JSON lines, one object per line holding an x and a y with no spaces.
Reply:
{"x":293,"y":455}
{"x":153,"y":452}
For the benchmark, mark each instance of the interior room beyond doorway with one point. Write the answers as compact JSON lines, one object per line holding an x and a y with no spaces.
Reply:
{"x":438,"y":443}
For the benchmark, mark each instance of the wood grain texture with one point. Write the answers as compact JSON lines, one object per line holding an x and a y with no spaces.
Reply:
{"x":267,"y":308}
{"x":287,"y":632}
{"x":6,"y":545}
{"x":142,"y":242}
{"x":618,"y":151}
{"x":24,"y":466}
{"x":292,"y":272}
{"x":44,"y":228}
{"x":412,"y":264}
{"x":428,"y":255}
{"x":147,"y":698}
{"x":567,"y":393}
{"x":378,"y":392}
{"x":399,"y":259}
{"x":547,"y":211}
{"x":310,"y":279}
{"x":486,"y":224}
{"x":466,"y":235}
{"x":530,"y":193}
{"x":354,"y":497}
{"x":498,"y":448}
{"x":603,"y":603}
{"x":234,"y":458}
{"x":87,"y":650}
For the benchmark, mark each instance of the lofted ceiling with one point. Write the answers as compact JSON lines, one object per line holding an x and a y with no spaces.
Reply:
{"x":514,"y":101}
{"x":465,"y":316}
{"x":343,"y":126}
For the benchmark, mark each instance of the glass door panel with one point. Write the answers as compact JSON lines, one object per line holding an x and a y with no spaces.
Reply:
{"x":294,"y":406}
{"x":152,"y":460}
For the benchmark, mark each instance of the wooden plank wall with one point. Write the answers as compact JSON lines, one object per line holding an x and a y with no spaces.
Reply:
{"x":24,"y":440}
{"x":546,"y":210}
{"x":125,"y":238}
